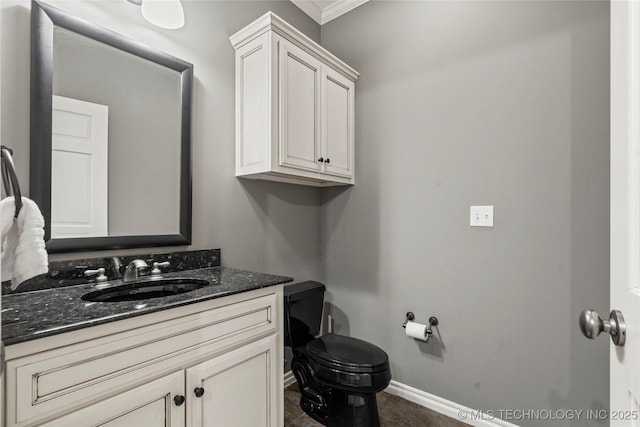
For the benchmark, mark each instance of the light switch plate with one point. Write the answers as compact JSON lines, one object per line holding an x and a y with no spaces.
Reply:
{"x":481,"y":216}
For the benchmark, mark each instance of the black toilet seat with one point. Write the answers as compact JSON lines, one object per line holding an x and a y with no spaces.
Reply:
{"x":347,"y":363}
{"x":347,"y":354}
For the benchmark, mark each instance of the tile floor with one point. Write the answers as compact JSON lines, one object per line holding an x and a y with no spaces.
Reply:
{"x":393,"y":410}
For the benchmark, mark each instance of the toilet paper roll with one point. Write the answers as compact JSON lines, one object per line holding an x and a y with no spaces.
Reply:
{"x":417,"y":331}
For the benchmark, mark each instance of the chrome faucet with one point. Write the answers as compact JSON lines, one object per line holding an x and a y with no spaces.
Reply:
{"x":131,"y":272}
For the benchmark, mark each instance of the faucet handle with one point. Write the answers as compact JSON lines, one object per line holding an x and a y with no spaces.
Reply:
{"x":99,"y":273}
{"x":155,"y":271}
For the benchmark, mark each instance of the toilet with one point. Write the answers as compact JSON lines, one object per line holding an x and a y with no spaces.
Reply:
{"x":338,"y":376}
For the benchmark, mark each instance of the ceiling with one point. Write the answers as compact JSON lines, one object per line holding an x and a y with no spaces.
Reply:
{"x":323,"y":11}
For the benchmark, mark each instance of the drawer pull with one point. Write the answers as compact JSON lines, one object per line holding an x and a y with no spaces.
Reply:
{"x":178,"y":400}
{"x":199,"y":391}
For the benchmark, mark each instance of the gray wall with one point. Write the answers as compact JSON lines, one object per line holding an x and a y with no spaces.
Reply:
{"x":463,"y":103}
{"x":262,"y":226}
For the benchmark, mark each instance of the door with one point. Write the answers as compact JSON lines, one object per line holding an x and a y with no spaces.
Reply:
{"x":150,"y":405}
{"x":1,"y":343}
{"x":300,"y":80}
{"x":625,"y":209}
{"x":337,"y":121}
{"x":236,"y":389}
{"x":79,"y":169}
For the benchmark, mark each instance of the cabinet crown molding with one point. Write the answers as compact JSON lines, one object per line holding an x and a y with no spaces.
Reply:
{"x":272,"y":22}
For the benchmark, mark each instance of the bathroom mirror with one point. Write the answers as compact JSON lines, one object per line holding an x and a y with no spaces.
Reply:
{"x":110,"y":137}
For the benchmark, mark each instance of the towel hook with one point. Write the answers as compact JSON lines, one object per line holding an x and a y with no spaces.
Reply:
{"x":9,"y":176}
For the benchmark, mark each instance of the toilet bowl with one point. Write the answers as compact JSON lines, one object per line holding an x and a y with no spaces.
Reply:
{"x":338,"y":376}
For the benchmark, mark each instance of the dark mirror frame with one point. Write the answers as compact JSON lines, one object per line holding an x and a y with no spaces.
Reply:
{"x":43,"y":20}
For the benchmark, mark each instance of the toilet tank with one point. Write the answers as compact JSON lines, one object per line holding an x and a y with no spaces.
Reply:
{"x":302,"y":312}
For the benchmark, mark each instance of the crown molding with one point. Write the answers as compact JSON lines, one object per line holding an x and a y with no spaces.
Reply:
{"x":310,"y":8}
{"x":339,"y":8}
{"x":272,"y":22}
{"x":324,"y":15}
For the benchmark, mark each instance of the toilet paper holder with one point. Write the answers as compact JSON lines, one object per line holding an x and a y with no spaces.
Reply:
{"x":433,"y":321}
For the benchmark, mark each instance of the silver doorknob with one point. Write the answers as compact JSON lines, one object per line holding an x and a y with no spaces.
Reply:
{"x":591,"y":325}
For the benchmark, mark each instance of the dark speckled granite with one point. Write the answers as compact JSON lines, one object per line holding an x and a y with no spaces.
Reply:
{"x":71,"y":272}
{"x":31,"y":315}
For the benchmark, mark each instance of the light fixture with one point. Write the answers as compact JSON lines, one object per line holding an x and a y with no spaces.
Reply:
{"x":162,"y":13}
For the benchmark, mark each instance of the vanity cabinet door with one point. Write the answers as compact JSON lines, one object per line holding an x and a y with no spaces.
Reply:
{"x":237,"y":389}
{"x":300,"y":72}
{"x":150,"y":405}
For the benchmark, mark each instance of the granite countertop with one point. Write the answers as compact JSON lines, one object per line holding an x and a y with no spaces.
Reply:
{"x":31,"y":315}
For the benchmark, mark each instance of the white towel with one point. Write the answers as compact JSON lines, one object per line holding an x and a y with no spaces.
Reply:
{"x":23,"y":251}
{"x":9,"y":241}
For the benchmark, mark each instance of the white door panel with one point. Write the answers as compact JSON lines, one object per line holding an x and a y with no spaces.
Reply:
{"x":625,"y":209}
{"x":79,"y":169}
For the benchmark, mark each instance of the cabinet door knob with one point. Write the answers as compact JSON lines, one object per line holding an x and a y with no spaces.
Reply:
{"x":326,"y":161}
{"x":199,"y":391}
{"x":321,"y":159}
{"x":178,"y":400}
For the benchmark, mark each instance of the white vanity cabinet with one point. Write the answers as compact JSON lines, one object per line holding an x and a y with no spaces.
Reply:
{"x":214,"y":363}
{"x":294,"y":107}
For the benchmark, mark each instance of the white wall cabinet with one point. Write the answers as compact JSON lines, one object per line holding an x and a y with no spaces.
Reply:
{"x":217,"y":363}
{"x":294,"y":107}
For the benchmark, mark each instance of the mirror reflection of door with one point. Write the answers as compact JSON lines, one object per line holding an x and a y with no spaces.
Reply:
{"x":79,"y":169}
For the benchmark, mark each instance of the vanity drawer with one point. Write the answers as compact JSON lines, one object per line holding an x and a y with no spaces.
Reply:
{"x":50,"y":383}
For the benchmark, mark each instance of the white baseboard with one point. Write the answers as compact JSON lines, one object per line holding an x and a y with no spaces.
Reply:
{"x":289,"y":379}
{"x":433,"y":402}
{"x":445,"y":407}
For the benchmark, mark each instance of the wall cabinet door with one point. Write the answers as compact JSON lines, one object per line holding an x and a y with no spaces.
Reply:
{"x":150,"y":405}
{"x":239,"y":388}
{"x":338,"y":120}
{"x":300,"y":80}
